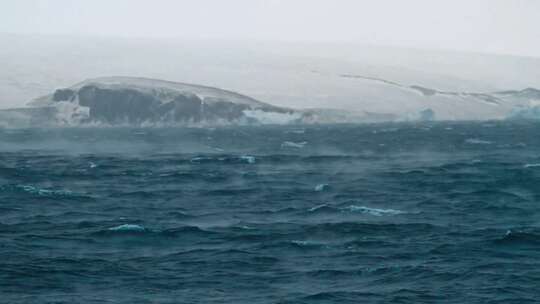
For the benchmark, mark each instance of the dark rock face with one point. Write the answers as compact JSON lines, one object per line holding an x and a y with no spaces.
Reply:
{"x":223,"y":110}
{"x":182,"y":108}
{"x":115,"y":106}
{"x":143,"y":101}
{"x":63,"y":94}
{"x":135,"y":107}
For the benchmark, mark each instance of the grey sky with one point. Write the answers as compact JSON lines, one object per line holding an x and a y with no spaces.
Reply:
{"x":493,"y":26}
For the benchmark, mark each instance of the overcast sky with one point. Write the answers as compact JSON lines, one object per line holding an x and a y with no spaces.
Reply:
{"x":492,"y":26}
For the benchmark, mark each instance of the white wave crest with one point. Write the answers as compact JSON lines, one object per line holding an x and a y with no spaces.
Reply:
{"x":312,"y":209}
{"x":128,"y":227}
{"x":44,"y":192}
{"x":295,"y":145}
{"x":322,"y":187}
{"x":476,"y":141}
{"x":306,"y":243}
{"x":372,"y":211}
{"x":248,"y":159}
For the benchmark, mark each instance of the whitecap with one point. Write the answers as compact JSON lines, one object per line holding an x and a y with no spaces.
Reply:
{"x":44,"y":192}
{"x":296,"y":131}
{"x":128,"y":227}
{"x":372,"y":211}
{"x":295,"y":145}
{"x":301,"y":243}
{"x":245,"y":227}
{"x":322,"y":187}
{"x":476,"y":141}
{"x":248,"y":159}
{"x":306,"y":243}
{"x":531,"y":165}
{"x":92,"y":165}
{"x":312,"y":209}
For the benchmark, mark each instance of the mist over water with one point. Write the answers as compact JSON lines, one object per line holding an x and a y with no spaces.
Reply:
{"x":394,"y":213}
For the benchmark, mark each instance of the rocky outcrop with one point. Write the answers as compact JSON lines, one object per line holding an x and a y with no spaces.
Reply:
{"x":136,"y":101}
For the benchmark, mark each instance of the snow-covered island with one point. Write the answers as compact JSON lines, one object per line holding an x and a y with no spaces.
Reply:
{"x":133,"y":101}
{"x":150,"y":102}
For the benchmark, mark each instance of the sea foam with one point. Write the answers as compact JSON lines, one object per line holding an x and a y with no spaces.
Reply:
{"x":295,"y":145}
{"x":372,"y":211}
{"x":476,"y":141}
{"x":128,"y":227}
{"x":248,"y":159}
{"x":322,"y":187}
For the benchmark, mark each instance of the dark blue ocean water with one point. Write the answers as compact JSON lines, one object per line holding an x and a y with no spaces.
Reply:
{"x":388,"y":213}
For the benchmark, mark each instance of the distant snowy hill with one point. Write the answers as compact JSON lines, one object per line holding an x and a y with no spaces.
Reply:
{"x":167,"y":90}
{"x":140,"y":101}
{"x":119,"y":101}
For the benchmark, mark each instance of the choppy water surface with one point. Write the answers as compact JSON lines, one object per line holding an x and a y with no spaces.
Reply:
{"x":398,"y":213}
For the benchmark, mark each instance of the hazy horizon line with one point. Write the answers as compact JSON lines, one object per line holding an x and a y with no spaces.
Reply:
{"x":284,"y":42}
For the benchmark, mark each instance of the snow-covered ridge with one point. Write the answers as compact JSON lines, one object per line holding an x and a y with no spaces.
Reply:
{"x":468,"y":105}
{"x":165,"y":89}
{"x":113,"y":101}
{"x":143,"y":101}
{"x":489,"y":98}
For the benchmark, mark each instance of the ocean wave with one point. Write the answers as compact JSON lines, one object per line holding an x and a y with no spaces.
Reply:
{"x":338,"y":296}
{"x":296,"y":131}
{"x":516,"y":237}
{"x":128,"y":227}
{"x":303,"y":243}
{"x":322,"y":187}
{"x":137,"y":229}
{"x":184,"y":231}
{"x":476,"y":141}
{"x":372,"y":211}
{"x":322,"y":208}
{"x":353,"y":208}
{"x":200,"y":159}
{"x":44,"y":192}
{"x":41,"y":191}
{"x":247,"y":159}
{"x":293,"y":145}
{"x":313,"y":159}
{"x":221,"y":219}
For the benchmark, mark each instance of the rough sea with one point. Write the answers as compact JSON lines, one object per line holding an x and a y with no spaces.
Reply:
{"x":381,"y":213}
